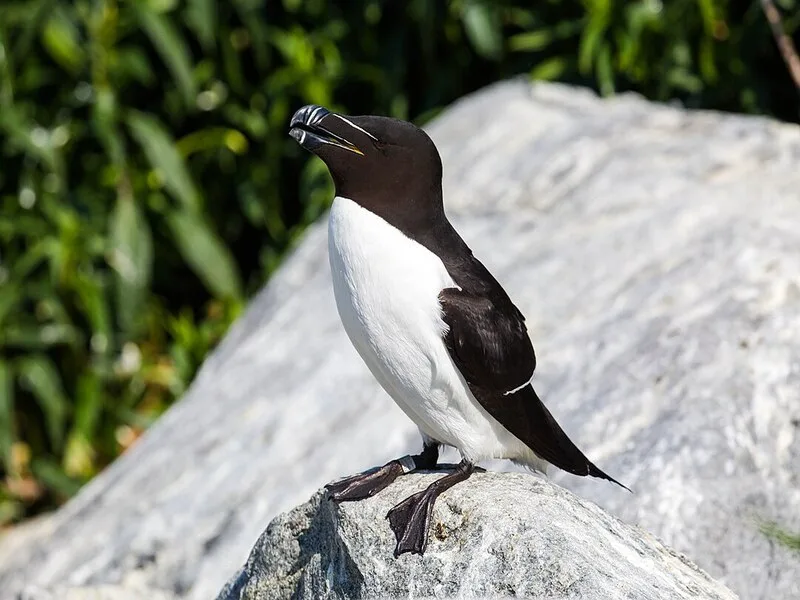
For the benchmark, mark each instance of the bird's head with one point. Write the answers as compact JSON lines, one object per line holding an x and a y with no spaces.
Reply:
{"x":378,"y":162}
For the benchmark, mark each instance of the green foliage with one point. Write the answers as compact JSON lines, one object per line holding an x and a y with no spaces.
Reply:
{"x":773,"y":531}
{"x":148,"y":186}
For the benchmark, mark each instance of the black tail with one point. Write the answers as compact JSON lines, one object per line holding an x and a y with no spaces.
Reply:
{"x":524,"y":415}
{"x":550,"y":442}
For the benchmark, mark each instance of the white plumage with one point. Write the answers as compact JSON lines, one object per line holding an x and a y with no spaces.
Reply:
{"x":387,"y":287}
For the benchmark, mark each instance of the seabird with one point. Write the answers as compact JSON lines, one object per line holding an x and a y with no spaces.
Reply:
{"x":434,"y":327}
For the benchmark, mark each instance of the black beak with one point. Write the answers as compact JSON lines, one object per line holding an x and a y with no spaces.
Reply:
{"x":306,"y":127}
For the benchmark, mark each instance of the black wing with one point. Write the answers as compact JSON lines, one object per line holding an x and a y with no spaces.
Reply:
{"x":489,"y":343}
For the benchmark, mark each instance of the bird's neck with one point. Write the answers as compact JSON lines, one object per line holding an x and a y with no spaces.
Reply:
{"x":413,"y":209}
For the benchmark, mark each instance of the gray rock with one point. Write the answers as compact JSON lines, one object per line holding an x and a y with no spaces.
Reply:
{"x":99,"y":592}
{"x":508,"y":535}
{"x":131,"y":589}
{"x":655,"y":254}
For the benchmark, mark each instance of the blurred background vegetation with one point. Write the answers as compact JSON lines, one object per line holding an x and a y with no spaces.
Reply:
{"x":148,"y":187}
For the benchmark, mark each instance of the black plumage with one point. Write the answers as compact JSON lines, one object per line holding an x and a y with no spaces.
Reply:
{"x":488,"y":341}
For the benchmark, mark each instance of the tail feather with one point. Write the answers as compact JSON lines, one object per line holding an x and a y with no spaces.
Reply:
{"x":547,"y":436}
{"x":596,"y":472}
{"x":524,"y":415}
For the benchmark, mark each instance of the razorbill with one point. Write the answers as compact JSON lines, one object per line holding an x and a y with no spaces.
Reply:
{"x":434,"y":327}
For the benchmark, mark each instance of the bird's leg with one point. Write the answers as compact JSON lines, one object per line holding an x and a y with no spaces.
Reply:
{"x":410,"y":520}
{"x":365,"y":485}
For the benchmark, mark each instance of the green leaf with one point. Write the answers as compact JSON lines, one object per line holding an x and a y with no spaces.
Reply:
{"x":9,"y":295}
{"x":51,"y":474}
{"x":605,"y":71}
{"x":530,"y":41}
{"x":549,"y":69}
{"x":484,"y":30}
{"x":592,"y":38}
{"x":93,"y":302}
{"x":171,"y":46}
{"x":201,"y":15}
{"x":131,"y":257}
{"x":35,"y":336}
{"x":6,"y":69}
{"x":706,"y":59}
{"x":212,"y":138}
{"x":105,"y":115}
{"x":89,"y":404}
{"x":40,"y":376}
{"x":33,"y":257}
{"x":7,"y":431}
{"x":10,"y":511}
{"x":165,"y":158}
{"x":34,"y":14}
{"x":206,"y":254}
{"x":232,"y":69}
{"x":708,"y":14}
{"x":783,"y":537}
{"x":60,"y":37}
{"x":682,"y":79}
{"x":630,"y":40}
{"x":133,"y":63}
{"x":79,"y":454}
{"x":27,"y":136}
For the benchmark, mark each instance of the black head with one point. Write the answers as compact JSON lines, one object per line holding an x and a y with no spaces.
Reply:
{"x":388,"y":166}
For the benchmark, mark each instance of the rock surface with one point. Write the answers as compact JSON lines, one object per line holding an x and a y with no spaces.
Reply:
{"x":655,"y":254}
{"x":508,"y":535}
{"x":99,"y":592}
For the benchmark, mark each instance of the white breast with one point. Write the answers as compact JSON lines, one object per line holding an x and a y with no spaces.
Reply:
{"x":386,"y":287}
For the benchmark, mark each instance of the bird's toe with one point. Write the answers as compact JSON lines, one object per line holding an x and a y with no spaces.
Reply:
{"x":364,"y":485}
{"x":410,"y":522}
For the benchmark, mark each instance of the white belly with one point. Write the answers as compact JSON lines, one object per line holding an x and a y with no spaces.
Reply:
{"x":387,"y":293}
